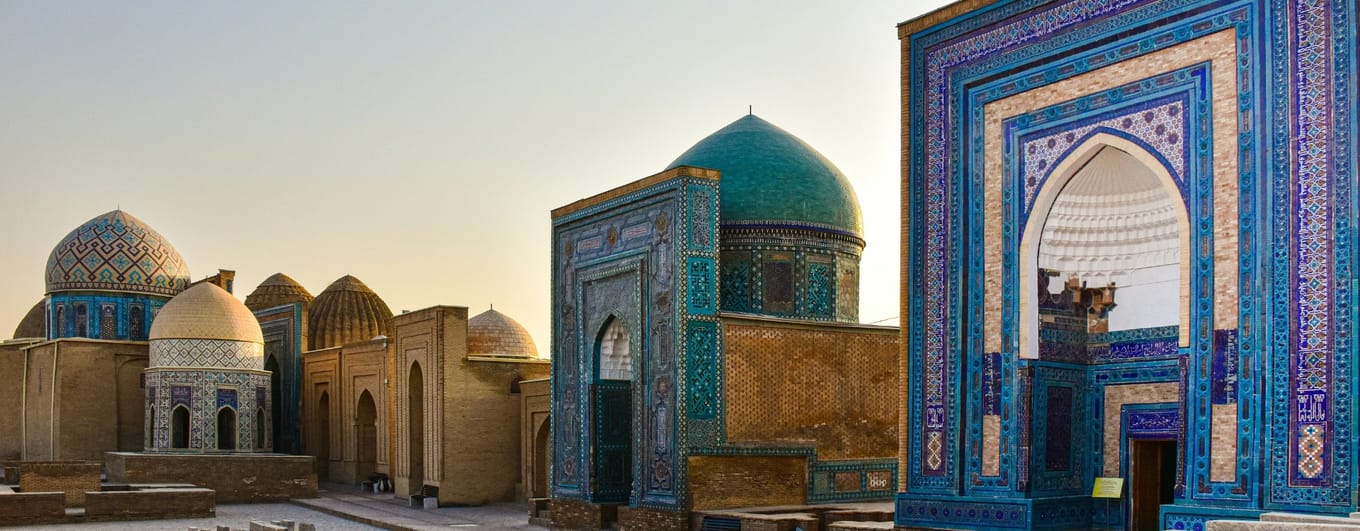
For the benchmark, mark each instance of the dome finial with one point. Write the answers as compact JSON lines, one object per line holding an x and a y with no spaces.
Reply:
{"x":750,"y":109}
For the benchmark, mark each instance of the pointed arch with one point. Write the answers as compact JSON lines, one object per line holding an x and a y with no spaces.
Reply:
{"x":226,"y":428}
{"x":179,"y":427}
{"x":613,"y":351}
{"x":1047,"y":196}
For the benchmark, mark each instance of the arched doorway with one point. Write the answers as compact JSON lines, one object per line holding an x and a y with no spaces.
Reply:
{"x":226,"y":429}
{"x":1109,"y":212}
{"x":541,"y":449}
{"x":415,"y":429}
{"x":259,"y":429}
{"x":1104,"y":265}
{"x":366,"y":435}
{"x":271,"y":364}
{"x":612,"y":414}
{"x":179,"y":427}
{"x":323,"y":436}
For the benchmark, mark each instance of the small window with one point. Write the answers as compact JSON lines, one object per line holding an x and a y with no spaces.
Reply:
{"x":108,"y":321}
{"x":82,"y":320}
{"x":778,"y":286}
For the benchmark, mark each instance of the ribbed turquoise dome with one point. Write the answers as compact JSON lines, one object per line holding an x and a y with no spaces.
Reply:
{"x":769,"y":175}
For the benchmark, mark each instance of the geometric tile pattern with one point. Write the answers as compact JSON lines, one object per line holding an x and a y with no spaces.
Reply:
{"x":1311,"y":447}
{"x":1163,"y":128}
{"x":207,"y":353}
{"x":203,"y":393}
{"x":118,"y":252}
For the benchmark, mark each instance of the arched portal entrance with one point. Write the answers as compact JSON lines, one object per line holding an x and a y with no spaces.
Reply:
{"x":323,"y":436}
{"x":1105,"y":282}
{"x":1108,"y":213}
{"x":226,"y":429}
{"x":415,"y":429}
{"x":366,"y":435}
{"x":612,"y":414}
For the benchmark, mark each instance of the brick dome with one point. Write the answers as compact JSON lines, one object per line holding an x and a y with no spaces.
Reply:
{"x":347,"y":311}
{"x":492,"y":333}
{"x":277,"y":290}
{"x":35,"y":323}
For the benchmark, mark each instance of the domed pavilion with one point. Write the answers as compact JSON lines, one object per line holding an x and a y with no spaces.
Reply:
{"x":206,"y":387}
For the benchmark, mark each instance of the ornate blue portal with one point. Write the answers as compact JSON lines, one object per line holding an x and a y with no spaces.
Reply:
{"x":1245,"y":112}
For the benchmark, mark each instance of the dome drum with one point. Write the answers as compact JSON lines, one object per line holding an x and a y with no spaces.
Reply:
{"x":102,"y":315}
{"x":214,"y":353}
{"x":793,"y":281}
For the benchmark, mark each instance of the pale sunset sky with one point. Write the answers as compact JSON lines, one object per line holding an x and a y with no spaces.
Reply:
{"x":418,"y":146}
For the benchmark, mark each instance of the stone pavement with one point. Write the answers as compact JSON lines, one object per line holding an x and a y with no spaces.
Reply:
{"x":238,"y":516}
{"x":386,"y":512}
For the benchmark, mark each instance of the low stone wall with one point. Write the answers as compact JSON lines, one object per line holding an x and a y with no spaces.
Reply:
{"x":155,"y":504}
{"x":236,"y":478}
{"x":31,"y":508}
{"x":74,"y":478}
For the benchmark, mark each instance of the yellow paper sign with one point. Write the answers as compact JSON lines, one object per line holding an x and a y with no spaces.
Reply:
{"x":1108,"y":488}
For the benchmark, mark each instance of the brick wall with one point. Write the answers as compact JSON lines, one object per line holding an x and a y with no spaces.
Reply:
{"x":577,"y":514}
{"x":11,"y":393}
{"x":641,"y":519}
{"x":834,"y":386}
{"x":31,"y":508}
{"x":70,"y":477}
{"x":98,"y":402}
{"x":718,"y":482}
{"x":150,"y":504}
{"x":237,"y":478}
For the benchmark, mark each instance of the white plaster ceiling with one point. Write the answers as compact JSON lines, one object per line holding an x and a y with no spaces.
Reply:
{"x":1112,"y":218}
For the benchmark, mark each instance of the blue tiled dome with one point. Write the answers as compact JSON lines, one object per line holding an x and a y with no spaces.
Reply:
{"x":116,"y":252}
{"x":770,"y":176}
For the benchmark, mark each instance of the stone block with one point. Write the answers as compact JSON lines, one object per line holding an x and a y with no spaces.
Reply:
{"x":236,"y":478}
{"x":31,"y":508}
{"x":256,"y":525}
{"x":150,"y":504}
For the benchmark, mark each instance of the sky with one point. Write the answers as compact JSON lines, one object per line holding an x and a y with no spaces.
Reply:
{"x":418,"y":146}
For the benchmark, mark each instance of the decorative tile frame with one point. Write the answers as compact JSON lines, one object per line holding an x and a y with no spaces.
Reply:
{"x":1296,"y":155}
{"x":664,"y":237}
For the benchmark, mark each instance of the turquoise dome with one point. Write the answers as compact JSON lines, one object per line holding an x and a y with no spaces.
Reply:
{"x":770,"y":176}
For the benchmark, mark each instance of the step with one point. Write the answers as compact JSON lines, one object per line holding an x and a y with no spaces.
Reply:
{"x":1308,"y":518}
{"x":1249,"y":525}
